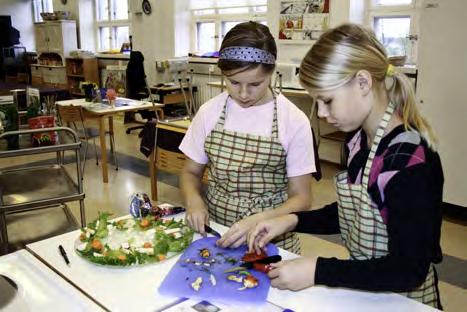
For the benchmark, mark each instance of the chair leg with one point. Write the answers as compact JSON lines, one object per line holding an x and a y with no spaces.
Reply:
{"x":95,"y":151}
{"x":82,"y":213}
{"x":84,"y":159}
{"x":3,"y":234}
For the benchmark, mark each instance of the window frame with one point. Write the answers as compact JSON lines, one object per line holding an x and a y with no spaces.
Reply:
{"x":391,"y":11}
{"x":219,"y":19}
{"x":40,"y":6}
{"x":110,"y":23}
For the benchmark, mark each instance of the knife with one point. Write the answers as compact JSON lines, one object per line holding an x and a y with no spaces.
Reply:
{"x":210,"y":230}
{"x":262,"y":265}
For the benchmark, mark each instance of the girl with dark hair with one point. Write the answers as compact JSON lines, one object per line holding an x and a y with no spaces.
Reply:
{"x":257,"y":145}
{"x":388,"y":210}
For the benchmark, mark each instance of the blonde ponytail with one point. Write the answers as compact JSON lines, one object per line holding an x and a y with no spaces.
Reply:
{"x":402,"y":94}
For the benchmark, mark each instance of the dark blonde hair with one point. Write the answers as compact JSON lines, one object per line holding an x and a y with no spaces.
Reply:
{"x":248,"y":34}
{"x":340,"y":53}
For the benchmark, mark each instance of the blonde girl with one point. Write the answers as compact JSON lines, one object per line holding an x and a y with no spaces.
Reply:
{"x":388,"y":208}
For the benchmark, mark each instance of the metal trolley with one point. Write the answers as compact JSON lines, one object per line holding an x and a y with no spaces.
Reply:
{"x":37,"y":185}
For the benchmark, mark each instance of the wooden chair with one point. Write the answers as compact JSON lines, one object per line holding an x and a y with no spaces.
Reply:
{"x":73,"y":117}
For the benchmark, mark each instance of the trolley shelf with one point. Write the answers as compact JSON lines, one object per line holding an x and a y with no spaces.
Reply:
{"x":39,"y":186}
{"x":30,"y":186}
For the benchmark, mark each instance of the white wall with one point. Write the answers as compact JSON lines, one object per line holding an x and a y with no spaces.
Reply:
{"x":83,"y":12}
{"x":22,"y":19}
{"x":154,"y":35}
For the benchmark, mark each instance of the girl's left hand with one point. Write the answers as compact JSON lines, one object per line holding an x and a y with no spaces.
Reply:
{"x":293,"y":274}
{"x":237,"y":233}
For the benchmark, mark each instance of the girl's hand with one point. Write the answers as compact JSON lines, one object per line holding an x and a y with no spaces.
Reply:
{"x":294,"y":274}
{"x":197,"y":215}
{"x":237,"y":233}
{"x":266,"y":230}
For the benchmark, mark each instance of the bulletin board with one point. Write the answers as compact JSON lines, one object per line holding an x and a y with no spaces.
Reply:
{"x":303,"y":20}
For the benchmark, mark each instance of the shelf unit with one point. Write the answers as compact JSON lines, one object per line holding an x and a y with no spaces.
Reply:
{"x":54,"y":41}
{"x":79,"y":70}
{"x":32,"y":186}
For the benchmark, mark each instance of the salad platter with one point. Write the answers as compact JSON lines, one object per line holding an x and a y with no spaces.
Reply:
{"x":132,"y":241}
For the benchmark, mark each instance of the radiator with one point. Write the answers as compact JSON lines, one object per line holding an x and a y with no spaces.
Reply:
{"x":205,"y":92}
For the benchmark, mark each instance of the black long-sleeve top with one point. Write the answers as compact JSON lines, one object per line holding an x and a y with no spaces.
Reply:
{"x":410,"y":204}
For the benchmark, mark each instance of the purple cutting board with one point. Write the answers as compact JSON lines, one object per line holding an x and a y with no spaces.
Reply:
{"x":178,"y":281}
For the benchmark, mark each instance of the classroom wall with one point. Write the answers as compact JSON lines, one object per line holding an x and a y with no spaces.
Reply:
{"x":22,"y":19}
{"x":154,"y":35}
{"x":83,"y":12}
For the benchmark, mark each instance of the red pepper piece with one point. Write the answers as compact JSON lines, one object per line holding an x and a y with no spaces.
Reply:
{"x":265,"y":268}
{"x":252,"y":256}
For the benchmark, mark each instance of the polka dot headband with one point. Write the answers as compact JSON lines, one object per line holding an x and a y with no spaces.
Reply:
{"x":247,"y":54}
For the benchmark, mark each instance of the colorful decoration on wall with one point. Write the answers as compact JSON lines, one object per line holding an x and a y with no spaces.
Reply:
{"x":303,"y":19}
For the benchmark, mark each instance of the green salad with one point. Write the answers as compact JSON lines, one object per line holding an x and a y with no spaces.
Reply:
{"x":132,"y":241}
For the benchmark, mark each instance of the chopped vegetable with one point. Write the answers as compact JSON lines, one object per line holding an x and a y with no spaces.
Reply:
{"x":144,"y":223}
{"x":196,"y":285}
{"x":212,"y":278}
{"x":249,"y":282}
{"x":235,"y":278}
{"x":204,"y":253}
{"x":97,"y":245}
{"x":252,"y":256}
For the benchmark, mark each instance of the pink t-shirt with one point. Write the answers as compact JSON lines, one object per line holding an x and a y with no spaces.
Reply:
{"x":294,"y":130}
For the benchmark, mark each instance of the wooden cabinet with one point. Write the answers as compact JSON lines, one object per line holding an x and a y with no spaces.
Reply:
{"x":79,"y":70}
{"x":56,"y":37}
{"x":54,"y":41}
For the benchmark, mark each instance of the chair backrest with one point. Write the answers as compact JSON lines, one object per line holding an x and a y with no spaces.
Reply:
{"x":136,"y":77}
{"x":70,"y":113}
{"x":72,"y":116}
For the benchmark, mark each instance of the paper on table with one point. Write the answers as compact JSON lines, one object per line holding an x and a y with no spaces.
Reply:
{"x":197,"y":305}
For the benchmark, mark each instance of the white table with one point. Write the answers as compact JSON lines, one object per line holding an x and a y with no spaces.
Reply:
{"x":100,"y":112}
{"x":39,"y":288}
{"x":121,"y":289}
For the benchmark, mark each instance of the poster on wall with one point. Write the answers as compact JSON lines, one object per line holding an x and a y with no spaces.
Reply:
{"x":303,"y":19}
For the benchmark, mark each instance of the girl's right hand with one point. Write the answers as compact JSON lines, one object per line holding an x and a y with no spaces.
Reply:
{"x":266,"y":230}
{"x":197,"y":215}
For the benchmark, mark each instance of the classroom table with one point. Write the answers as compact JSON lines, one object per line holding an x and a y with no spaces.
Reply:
{"x":135,"y":288}
{"x":100,"y":112}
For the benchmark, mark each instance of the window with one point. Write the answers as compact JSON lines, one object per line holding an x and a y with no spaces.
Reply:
{"x":40,"y":6}
{"x":212,"y":20}
{"x":395,"y":23}
{"x":113,"y":24}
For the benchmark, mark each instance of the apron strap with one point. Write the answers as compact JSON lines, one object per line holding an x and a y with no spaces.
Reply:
{"x":378,"y":136}
{"x":275,"y":126}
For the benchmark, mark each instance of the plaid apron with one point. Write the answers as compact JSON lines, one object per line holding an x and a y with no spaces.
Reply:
{"x":247,"y":175}
{"x":362,"y":228}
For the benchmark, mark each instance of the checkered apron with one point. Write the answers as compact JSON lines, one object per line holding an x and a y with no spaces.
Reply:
{"x":247,"y":175}
{"x":362,"y":228}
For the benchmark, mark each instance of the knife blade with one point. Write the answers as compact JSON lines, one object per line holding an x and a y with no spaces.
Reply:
{"x":211,"y":231}
{"x":259,"y":265}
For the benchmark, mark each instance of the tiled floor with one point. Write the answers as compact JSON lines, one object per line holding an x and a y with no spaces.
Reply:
{"x":132,"y":176}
